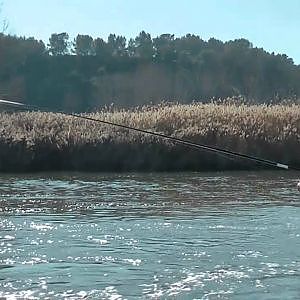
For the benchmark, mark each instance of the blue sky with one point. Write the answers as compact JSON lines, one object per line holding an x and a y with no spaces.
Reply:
{"x":271,"y":24}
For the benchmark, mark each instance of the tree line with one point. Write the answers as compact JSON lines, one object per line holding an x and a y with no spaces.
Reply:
{"x":87,"y":73}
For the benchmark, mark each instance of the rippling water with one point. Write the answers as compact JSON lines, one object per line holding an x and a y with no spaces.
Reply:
{"x":132,"y":236}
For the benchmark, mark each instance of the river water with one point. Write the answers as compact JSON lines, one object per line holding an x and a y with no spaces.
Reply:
{"x":150,"y":236}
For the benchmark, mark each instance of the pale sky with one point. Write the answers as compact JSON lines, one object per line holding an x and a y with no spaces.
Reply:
{"x":271,"y":24}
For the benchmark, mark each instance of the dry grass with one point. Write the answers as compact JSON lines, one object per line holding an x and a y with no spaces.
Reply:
{"x":37,"y":140}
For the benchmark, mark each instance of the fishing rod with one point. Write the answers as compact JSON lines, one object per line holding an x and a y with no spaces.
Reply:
{"x":216,"y":150}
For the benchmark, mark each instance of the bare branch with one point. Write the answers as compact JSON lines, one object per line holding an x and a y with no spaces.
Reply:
{"x":4,"y":22}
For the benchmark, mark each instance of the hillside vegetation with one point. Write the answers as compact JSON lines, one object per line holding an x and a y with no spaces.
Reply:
{"x":88,"y":73}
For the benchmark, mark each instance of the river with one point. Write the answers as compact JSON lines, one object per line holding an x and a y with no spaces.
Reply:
{"x":231,"y":235}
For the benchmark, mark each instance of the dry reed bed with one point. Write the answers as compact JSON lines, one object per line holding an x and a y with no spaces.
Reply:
{"x":38,"y":141}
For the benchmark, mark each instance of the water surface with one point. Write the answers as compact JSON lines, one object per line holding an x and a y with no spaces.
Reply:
{"x":150,"y":236}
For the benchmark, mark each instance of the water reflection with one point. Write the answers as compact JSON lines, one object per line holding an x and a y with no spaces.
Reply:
{"x":140,"y":195}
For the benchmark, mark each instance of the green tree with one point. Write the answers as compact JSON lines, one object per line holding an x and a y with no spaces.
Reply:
{"x":83,"y":45}
{"x":100,"y":48}
{"x":190,"y":44}
{"x":165,"y":48}
{"x":143,"y":46}
{"x":215,"y":44}
{"x":188,"y":49}
{"x":116,"y":45}
{"x":131,"y":48}
{"x":58,"y":44}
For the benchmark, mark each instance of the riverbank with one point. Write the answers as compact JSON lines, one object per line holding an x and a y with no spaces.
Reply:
{"x":38,"y":141}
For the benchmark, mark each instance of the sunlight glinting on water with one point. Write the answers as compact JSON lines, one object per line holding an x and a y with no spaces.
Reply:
{"x":150,"y":236}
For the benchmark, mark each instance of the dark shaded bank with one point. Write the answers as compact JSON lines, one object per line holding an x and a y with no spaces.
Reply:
{"x":35,"y":141}
{"x":127,"y":157}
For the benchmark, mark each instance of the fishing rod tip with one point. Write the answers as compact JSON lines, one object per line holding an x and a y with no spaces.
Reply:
{"x":13,"y":103}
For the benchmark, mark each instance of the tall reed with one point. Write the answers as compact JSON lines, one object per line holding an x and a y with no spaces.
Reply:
{"x":31,"y":141}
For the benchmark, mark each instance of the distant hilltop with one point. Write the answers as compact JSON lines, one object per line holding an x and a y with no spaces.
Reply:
{"x":89,"y":73}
